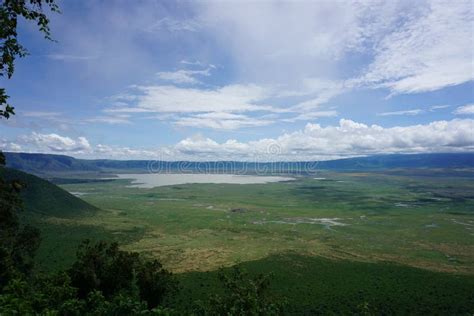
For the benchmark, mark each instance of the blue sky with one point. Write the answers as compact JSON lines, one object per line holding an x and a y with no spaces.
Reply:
{"x":269,"y":80}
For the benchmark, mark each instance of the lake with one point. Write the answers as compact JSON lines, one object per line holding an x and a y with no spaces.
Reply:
{"x":151,"y":180}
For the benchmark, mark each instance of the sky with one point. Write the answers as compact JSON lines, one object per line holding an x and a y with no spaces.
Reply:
{"x":245,"y":80}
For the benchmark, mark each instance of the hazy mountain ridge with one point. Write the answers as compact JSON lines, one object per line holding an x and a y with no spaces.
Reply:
{"x":45,"y":163}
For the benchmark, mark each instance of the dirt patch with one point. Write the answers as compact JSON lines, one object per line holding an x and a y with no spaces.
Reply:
{"x":327,"y":222}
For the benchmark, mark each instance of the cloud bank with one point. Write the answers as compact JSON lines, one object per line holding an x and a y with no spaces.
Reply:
{"x":314,"y":142}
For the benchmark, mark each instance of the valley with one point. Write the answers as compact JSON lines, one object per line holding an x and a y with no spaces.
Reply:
{"x":425,"y":222}
{"x":386,"y":231}
{"x":208,"y":158}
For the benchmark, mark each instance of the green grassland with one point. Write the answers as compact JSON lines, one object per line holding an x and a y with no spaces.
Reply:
{"x":320,"y":286}
{"x":393,"y":240}
{"x":422,"y":221}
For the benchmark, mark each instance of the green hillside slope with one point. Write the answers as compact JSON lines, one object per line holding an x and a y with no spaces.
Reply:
{"x":50,"y":208}
{"x":42,"y":197}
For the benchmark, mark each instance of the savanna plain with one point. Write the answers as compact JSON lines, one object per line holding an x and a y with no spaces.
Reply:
{"x":332,"y":239}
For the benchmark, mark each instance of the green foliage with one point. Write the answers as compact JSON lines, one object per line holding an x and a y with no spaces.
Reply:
{"x":51,"y":294}
{"x":54,"y":295}
{"x":318,"y":286}
{"x":154,"y":282}
{"x":243,"y":295}
{"x":10,"y":48}
{"x":10,"y":11}
{"x":18,"y":243}
{"x":103,"y":281}
{"x":107,"y":281}
{"x":7,"y":108}
{"x":103,"y":267}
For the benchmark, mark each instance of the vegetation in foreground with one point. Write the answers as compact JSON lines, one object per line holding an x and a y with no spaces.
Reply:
{"x":320,"y":286}
{"x":103,"y":281}
{"x":107,"y":281}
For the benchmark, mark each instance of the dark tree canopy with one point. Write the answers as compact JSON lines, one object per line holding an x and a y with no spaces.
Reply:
{"x":18,"y":242}
{"x":103,"y":267}
{"x":10,"y":48}
{"x":103,"y":281}
{"x":242,"y":295}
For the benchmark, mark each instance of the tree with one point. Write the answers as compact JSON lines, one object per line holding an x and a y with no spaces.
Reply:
{"x":10,"y":47}
{"x":103,"y":267}
{"x":243,"y":295}
{"x":103,"y":281}
{"x":18,"y":243}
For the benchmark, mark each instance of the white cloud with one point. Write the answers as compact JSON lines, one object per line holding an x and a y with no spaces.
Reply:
{"x":348,"y":139}
{"x":115,"y":119}
{"x":120,"y":152}
{"x":56,"y":143}
{"x":431,"y":50}
{"x":183,"y":76}
{"x":191,"y":62}
{"x":426,"y":48}
{"x":314,"y":142}
{"x":68,"y":57}
{"x":221,"y":120}
{"x":40,"y":114}
{"x":197,"y":63}
{"x":231,"y":98}
{"x":410,"y":47}
{"x":40,"y":120}
{"x":293,"y":35}
{"x":125,"y":109}
{"x":6,"y":145}
{"x":316,"y":91}
{"x":222,"y":107}
{"x":467,"y":109}
{"x":438,"y":107}
{"x":309,"y":116}
{"x":404,"y":112}
{"x":414,"y":111}
{"x":202,"y":148}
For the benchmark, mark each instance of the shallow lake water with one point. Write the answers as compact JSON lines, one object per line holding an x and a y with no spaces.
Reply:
{"x":151,"y":180}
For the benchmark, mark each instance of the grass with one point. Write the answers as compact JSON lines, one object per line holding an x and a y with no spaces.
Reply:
{"x":315,"y":285}
{"x":42,"y":197}
{"x":412,"y":220}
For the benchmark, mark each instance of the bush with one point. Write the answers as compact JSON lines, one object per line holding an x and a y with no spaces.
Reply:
{"x":103,"y":281}
{"x":243,"y":295}
{"x":103,"y":267}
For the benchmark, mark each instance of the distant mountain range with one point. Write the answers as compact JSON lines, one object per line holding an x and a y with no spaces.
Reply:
{"x":42,"y":164}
